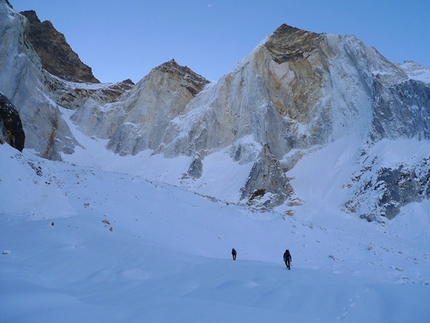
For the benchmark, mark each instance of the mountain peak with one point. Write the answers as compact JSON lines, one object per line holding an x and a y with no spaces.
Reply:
{"x":195,"y":81}
{"x":55,"y":53}
{"x":291,"y":43}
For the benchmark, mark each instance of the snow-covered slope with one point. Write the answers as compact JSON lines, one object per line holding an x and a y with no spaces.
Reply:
{"x":83,"y":245}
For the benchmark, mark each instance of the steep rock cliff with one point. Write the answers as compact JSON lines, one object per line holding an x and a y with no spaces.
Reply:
{"x":56,"y":55}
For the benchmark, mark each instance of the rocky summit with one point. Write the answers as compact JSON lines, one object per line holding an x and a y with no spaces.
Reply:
{"x":248,"y":138}
{"x":192,"y":81}
{"x":289,"y":43}
{"x":56,"y":55}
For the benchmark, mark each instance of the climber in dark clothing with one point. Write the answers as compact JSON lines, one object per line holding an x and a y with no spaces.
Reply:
{"x":233,"y":253}
{"x":287,"y":259}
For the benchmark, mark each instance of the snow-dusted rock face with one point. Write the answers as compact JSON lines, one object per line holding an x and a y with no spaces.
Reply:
{"x":286,"y":97}
{"x":267,"y":179}
{"x":401,"y":110}
{"x":382,"y":188}
{"x":296,"y":91}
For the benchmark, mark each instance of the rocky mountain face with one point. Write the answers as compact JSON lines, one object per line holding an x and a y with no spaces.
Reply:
{"x":392,"y":188}
{"x":400,"y":109}
{"x":39,"y":95}
{"x":53,"y":50}
{"x":295,"y":94}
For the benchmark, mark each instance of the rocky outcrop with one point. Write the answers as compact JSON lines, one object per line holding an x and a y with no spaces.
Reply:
{"x":56,"y":55}
{"x":289,"y":44}
{"x":382,"y":191}
{"x":75,"y":95}
{"x":11,"y":130}
{"x":195,"y":170}
{"x":267,"y":186}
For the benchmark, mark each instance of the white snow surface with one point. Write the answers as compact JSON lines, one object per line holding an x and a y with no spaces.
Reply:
{"x":81,"y":244}
{"x":416,"y":71}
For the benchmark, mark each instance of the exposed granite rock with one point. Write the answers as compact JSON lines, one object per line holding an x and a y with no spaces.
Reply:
{"x":278,"y":104}
{"x":74,"y":95}
{"x":267,"y":186}
{"x":56,"y":55}
{"x":195,"y":170}
{"x":392,"y":187}
{"x":113,"y":92}
{"x":192,"y":81}
{"x":11,"y":129}
{"x":289,"y":43}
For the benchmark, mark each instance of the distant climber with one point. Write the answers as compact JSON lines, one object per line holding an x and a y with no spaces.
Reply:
{"x":233,"y":253}
{"x":287,"y":259}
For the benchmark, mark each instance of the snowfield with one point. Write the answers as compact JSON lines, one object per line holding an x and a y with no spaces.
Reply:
{"x":79,"y":244}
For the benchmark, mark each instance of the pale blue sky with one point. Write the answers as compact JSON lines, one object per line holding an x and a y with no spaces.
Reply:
{"x":126,"y":39}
